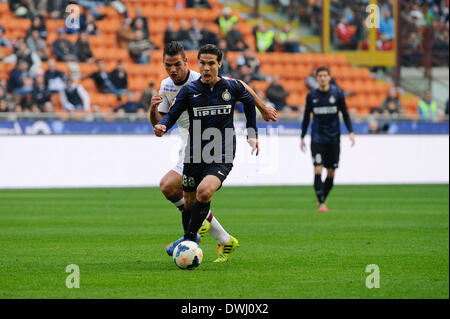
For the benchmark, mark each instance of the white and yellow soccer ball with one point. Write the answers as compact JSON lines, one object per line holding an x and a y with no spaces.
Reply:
{"x":187,"y":255}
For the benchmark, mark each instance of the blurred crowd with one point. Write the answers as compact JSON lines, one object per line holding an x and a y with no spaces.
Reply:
{"x":348,"y":18}
{"x":31,"y":89}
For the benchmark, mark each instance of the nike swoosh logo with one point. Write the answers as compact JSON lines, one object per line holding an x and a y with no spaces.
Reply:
{"x":315,"y":100}
{"x":195,"y":95}
{"x":221,"y":173}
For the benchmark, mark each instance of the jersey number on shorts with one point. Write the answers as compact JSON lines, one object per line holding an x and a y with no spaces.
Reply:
{"x":188,"y":181}
{"x":318,"y":158}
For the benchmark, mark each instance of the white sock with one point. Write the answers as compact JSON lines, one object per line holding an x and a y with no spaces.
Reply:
{"x":217,"y":231}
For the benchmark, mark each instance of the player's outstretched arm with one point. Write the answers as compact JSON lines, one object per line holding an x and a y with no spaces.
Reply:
{"x":268,"y":113}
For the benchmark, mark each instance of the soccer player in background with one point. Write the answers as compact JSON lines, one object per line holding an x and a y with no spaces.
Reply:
{"x":325,"y":102}
{"x":209,"y":102}
{"x":180,"y":75}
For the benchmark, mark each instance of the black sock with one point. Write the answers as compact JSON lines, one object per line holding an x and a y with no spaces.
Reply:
{"x":185,"y":218}
{"x":318,"y":186}
{"x":328,"y":185}
{"x":199,"y":211}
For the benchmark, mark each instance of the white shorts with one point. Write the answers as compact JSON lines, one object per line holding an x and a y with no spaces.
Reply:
{"x":180,"y":164}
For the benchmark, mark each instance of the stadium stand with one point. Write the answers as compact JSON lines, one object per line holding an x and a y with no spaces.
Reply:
{"x":291,"y":68}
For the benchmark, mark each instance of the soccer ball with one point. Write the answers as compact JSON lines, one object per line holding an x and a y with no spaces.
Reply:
{"x":187,"y":255}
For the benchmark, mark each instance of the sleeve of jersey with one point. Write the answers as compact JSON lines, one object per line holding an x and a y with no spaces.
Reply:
{"x":306,"y":116}
{"x":249,"y":109}
{"x":345,"y":115}
{"x":179,"y":105}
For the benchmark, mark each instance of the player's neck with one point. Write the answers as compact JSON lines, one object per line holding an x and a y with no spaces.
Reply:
{"x":324,"y":88}
{"x":212,"y":83}
{"x":185,"y":78}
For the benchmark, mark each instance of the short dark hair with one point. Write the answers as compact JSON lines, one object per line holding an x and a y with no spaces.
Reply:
{"x":174,"y":48}
{"x":210,"y":49}
{"x":323,"y":68}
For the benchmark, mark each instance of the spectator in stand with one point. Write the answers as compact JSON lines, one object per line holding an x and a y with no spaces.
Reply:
{"x":19,"y":7}
{"x":346,"y":35}
{"x":288,"y":39}
{"x":87,"y":22}
{"x":57,"y":8}
{"x":140,"y":48}
{"x":125,"y":34}
{"x":235,"y":40}
{"x":102,"y":79}
{"x":75,"y":97}
{"x":184,"y":36}
{"x":249,"y":60}
{"x":38,"y":23}
{"x":41,"y":95}
{"x":432,"y":14}
{"x":195,"y":34}
{"x":22,"y":53}
{"x":387,"y":31}
{"x":55,"y":80}
{"x":92,"y":5}
{"x":276,"y":94}
{"x":63,"y":48}
{"x":37,"y":45}
{"x":84,"y":52}
{"x":17,"y":83}
{"x":6,"y":99}
{"x":226,"y":69}
{"x":3,"y":105}
{"x":131,"y":106}
{"x":412,"y":52}
{"x":139,"y":26}
{"x":427,"y":108}
{"x":26,"y":100}
{"x":265,"y":38}
{"x":147,"y":95}
{"x":225,"y":21}
{"x":199,"y":4}
{"x":38,"y":7}
{"x":208,"y":37}
{"x":143,"y":25}
{"x":170,"y":34}
{"x":119,"y":78}
{"x":4,"y":42}
{"x":392,"y":103}
{"x":417,"y":16}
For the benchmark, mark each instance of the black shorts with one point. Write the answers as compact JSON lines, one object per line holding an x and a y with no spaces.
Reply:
{"x":326,"y":154}
{"x":193,"y":174}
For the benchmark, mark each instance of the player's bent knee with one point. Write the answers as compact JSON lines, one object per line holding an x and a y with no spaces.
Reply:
{"x":205,"y":194}
{"x":167,"y":188}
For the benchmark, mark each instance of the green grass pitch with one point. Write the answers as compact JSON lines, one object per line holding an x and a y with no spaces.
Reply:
{"x":287,"y":249}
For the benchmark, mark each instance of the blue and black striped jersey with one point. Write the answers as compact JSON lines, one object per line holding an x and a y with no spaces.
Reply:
{"x":211,"y":112}
{"x":326,"y":107}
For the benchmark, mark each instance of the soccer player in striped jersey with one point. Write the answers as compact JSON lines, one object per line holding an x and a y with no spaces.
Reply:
{"x":180,"y":75}
{"x":325,"y":103}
